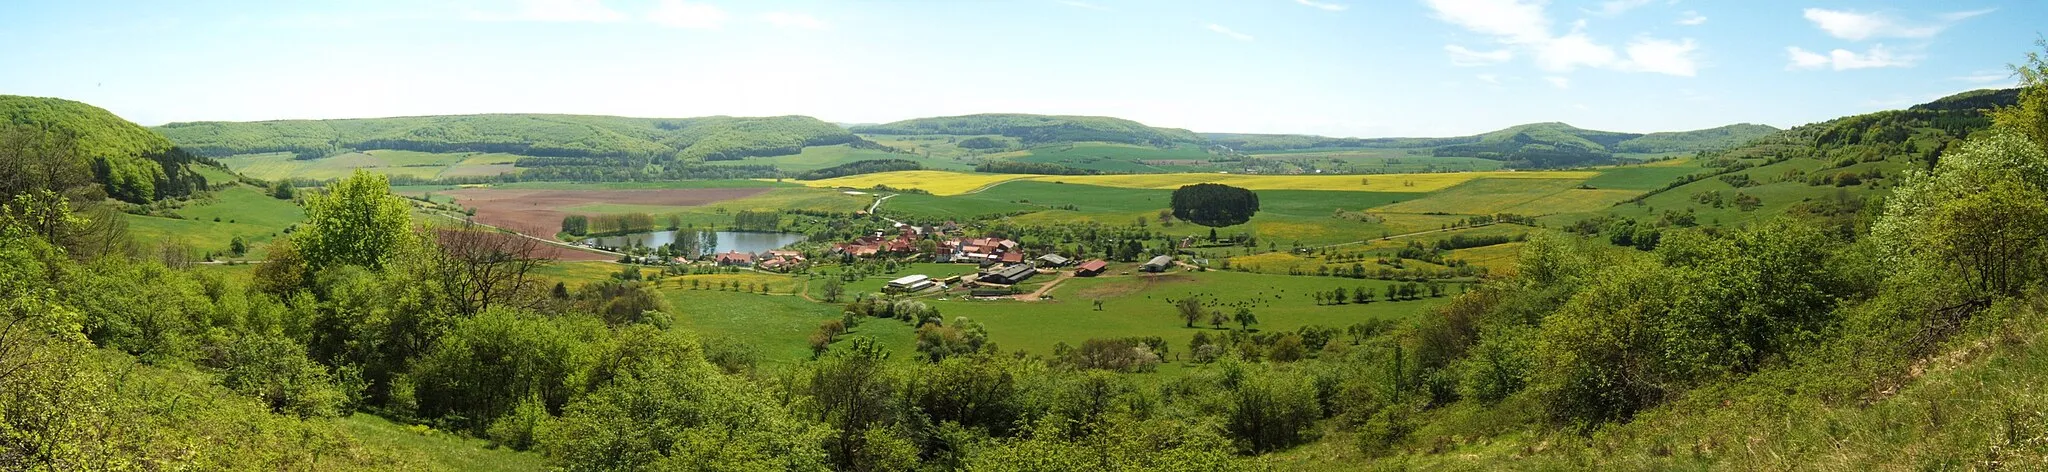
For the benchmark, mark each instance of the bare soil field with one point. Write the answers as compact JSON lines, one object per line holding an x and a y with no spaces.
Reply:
{"x":539,"y":212}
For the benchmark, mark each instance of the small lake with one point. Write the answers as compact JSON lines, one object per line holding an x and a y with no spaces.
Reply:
{"x":749,"y":242}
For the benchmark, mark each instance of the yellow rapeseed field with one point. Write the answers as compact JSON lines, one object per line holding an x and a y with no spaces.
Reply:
{"x":955,"y":183}
{"x":937,"y":182}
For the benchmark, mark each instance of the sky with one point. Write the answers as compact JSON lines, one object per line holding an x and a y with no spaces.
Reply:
{"x":1349,"y":68}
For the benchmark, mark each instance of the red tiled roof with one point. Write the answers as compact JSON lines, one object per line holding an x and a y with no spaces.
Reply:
{"x":1093,"y":266}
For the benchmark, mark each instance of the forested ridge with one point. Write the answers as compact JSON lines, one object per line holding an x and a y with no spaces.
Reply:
{"x":131,"y":163}
{"x":562,"y":136}
{"x":1039,"y":129}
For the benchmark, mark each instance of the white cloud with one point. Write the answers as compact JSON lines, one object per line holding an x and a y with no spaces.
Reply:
{"x":1488,"y":78}
{"x":1323,"y":6}
{"x":1569,"y":52}
{"x":1514,"y":21}
{"x":1842,"y":59}
{"x":1522,"y":25}
{"x":1663,"y":57}
{"x":1559,"y":82}
{"x":1463,"y":57}
{"x":566,"y":11}
{"x":1617,"y":7}
{"x":1984,"y":77}
{"x":688,"y":15}
{"x":1220,"y":29}
{"x":1858,"y":26}
{"x":1692,"y":18}
{"x":795,"y":20}
{"x":1086,"y":5}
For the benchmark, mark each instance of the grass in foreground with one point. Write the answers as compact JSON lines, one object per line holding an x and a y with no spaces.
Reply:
{"x":439,"y":449}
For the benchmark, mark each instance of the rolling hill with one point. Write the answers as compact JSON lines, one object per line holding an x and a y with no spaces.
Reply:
{"x":565,"y":136}
{"x":1529,"y":145}
{"x":1039,"y":129}
{"x":130,"y":162}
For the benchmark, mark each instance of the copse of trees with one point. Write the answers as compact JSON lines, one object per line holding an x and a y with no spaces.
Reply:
{"x":1214,"y":205}
{"x":1008,"y":166}
{"x":861,"y":167}
{"x":576,"y":225}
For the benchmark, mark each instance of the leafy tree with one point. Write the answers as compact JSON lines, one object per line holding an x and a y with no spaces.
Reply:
{"x":1214,"y":205}
{"x":1190,"y":309}
{"x":1244,"y":318}
{"x":356,"y":221}
{"x":832,"y":290}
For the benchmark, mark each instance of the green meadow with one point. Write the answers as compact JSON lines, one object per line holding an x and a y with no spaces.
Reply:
{"x":210,"y":225}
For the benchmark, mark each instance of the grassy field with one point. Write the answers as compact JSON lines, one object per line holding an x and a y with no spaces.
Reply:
{"x":241,"y":211}
{"x":1115,"y":157}
{"x":1137,"y":306}
{"x":438,"y":449}
{"x":279,"y":165}
{"x":819,"y":157}
{"x":1382,"y":161}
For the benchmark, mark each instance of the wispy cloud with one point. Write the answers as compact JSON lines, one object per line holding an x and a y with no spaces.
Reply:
{"x":1985,"y":77}
{"x":688,"y":15}
{"x":1522,"y":25}
{"x":1617,"y":7}
{"x":1559,"y":82}
{"x":1220,"y":29}
{"x":563,"y":11}
{"x":1488,"y":78}
{"x":1323,"y":6}
{"x":1842,"y":59}
{"x":795,"y":20}
{"x":1085,"y":5}
{"x":1692,"y":18}
{"x":1858,"y":26}
{"x":1464,"y":57}
{"x":1662,"y":56}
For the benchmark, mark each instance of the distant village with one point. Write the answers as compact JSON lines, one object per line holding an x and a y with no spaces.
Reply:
{"x":1001,"y":262}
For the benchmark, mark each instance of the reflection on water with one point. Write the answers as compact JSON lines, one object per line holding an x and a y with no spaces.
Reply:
{"x":749,"y":242}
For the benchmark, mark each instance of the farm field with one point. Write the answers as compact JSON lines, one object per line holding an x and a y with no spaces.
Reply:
{"x":819,"y":157}
{"x":956,"y":183}
{"x":539,"y":212}
{"x":426,"y":165}
{"x":1114,"y":157}
{"x":242,"y":211}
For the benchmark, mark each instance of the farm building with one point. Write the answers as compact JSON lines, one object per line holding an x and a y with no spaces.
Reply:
{"x":1158,"y":264}
{"x":910,"y":283}
{"x":735,"y":258}
{"x":1010,"y":275}
{"x":1054,"y":260}
{"x":1091,"y":268}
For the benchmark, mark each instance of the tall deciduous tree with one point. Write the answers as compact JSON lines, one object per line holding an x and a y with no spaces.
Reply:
{"x":356,"y":221}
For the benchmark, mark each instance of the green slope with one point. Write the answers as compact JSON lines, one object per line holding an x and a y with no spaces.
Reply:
{"x":130,"y":162}
{"x":1697,"y":140}
{"x":1038,"y":129}
{"x":570,"y":136}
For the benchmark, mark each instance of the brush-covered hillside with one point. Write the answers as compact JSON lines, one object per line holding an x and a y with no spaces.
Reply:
{"x":1534,"y":145}
{"x":1827,"y":171}
{"x":568,"y":136}
{"x":73,"y":139}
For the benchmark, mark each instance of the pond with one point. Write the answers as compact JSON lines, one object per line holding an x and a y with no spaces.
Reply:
{"x":742,"y":241}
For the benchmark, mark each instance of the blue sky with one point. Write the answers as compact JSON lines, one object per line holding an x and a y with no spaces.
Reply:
{"x":1364,"y":68}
